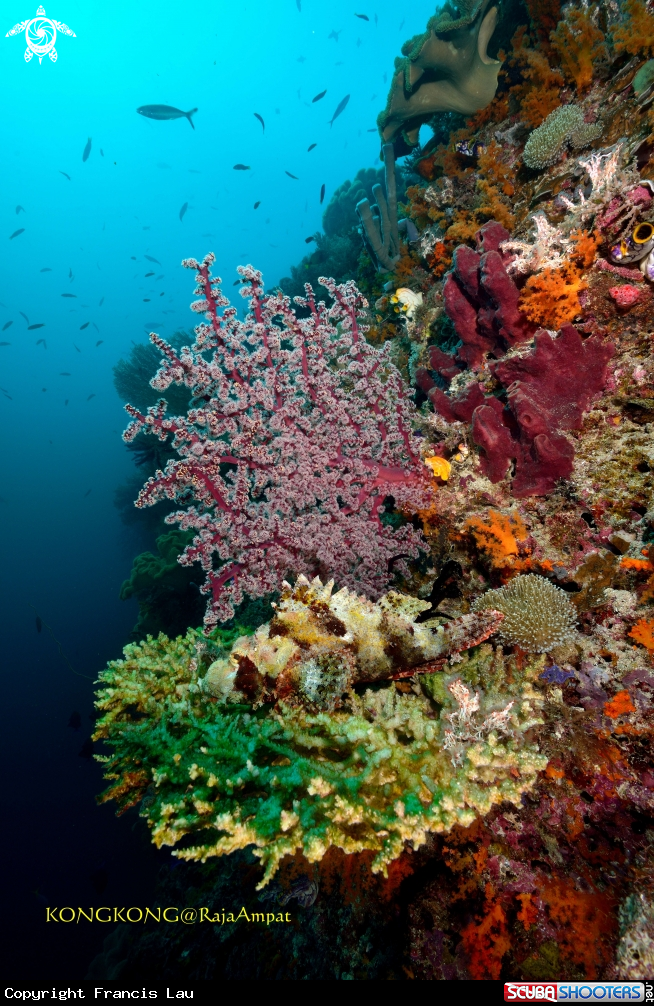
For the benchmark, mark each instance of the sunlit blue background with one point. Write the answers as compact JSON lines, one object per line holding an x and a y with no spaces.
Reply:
{"x":65,"y":550}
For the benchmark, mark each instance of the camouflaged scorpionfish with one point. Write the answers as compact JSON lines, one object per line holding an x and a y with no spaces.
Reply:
{"x":318,"y":645}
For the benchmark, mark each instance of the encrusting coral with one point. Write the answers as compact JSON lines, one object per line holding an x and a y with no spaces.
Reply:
{"x":384,"y":769}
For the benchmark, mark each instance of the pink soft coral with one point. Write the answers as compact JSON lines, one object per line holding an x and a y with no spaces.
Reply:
{"x":298,"y":431}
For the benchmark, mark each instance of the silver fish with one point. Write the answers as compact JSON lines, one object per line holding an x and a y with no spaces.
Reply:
{"x":163,"y":112}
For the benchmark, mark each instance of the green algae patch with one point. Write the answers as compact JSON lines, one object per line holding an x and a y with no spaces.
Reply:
{"x":385,"y":769}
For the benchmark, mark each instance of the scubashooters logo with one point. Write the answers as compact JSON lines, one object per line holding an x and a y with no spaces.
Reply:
{"x":40,"y":35}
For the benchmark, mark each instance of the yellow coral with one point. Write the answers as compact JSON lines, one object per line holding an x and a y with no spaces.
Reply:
{"x":440,"y":467}
{"x":579,"y":44}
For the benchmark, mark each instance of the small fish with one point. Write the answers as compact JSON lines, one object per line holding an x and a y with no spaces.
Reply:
{"x":375,"y":130}
{"x":44,"y":389}
{"x":7,"y":325}
{"x":47,"y":269}
{"x":309,"y":149}
{"x":146,"y":300}
{"x":301,"y":59}
{"x":292,"y":176}
{"x":364,"y":17}
{"x":101,"y":302}
{"x":148,"y":274}
{"x":101,"y":152}
{"x":7,"y":395}
{"x":39,"y":623}
{"x":339,"y":108}
{"x":164,"y":112}
{"x":183,"y":211}
{"x":85,"y":325}
{"x":64,"y":373}
{"x":334,"y":34}
{"x":322,"y":193}
{"x":95,"y":327}
{"x":5,"y":344}
{"x":70,"y":273}
{"x":75,"y":721}
{"x":99,"y":343}
{"x":191,"y":171}
{"x":376,"y":20}
{"x":66,"y":401}
{"x":20,"y":209}
{"x":319,"y":97}
{"x":257,"y":204}
{"x":39,"y":342}
{"x":88,"y":400}
{"x":21,"y":230}
{"x":65,"y":175}
{"x":308,"y":241}
{"x":73,"y":295}
{"x":236,"y":282}
{"x":40,"y":324}
{"x":87,"y":493}
{"x":241,"y":167}
{"x":24,"y":316}
{"x":75,"y":347}
{"x":86,"y":750}
{"x":298,"y":4}
{"x":87,"y":150}
{"x":257,"y":116}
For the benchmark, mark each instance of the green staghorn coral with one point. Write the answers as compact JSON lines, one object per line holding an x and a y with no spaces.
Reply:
{"x":387,"y":768}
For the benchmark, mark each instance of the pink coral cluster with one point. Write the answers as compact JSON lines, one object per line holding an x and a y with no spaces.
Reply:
{"x":298,"y":430}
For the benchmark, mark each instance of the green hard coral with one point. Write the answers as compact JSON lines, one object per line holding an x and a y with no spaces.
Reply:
{"x":387,"y":768}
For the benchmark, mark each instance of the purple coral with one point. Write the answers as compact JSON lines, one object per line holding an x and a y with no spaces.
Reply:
{"x":298,"y":431}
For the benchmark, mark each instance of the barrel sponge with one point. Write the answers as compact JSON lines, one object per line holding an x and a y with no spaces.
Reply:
{"x":564,"y":125}
{"x":537,"y":615}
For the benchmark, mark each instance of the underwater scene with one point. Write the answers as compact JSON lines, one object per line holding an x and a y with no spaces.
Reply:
{"x":328,"y":564}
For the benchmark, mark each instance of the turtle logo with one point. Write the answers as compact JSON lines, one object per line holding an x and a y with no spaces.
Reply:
{"x":40,"y":35}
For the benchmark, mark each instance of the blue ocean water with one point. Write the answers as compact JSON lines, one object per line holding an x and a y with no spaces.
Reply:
{"x":78,"y":269}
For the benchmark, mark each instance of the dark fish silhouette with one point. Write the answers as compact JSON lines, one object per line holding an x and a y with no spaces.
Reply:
{"x":43,"y":389}
{"x":21,"y":230}
{"x":164,"y":112}
{"x":308,"y":241}
{"x":376,"y":20}
{"x":183,"y":211}
{"x":87,"y":150}
{"x":101,"y":302}
{"x":241,"y":167}
{"x":47,"y":269}
{"x":39,"y":623}
{"x":20,"y":209}
{"x":5,"y":344}
{"x":339,"y":108}
{"x":75,"y":721}
{"x":257,"y":204}
{"x":101,"y":152}
{"x":375,"y":130}
{"x":150,"y":259}
{"x":73,"y":295}
{"x":87,"y":493}
{"x":146,"y":300}
{"x":257,"y":116}
{"x":148,"y":274}
{"x":318,"y":97}
{"x":298,"y":4}
{"x":99,"y":343}
{"x":41,"y":342}
{"x":85,"y":325}
{"x":334,"y":34}
{"x":6,"y":325}
{"x":322,"y":193}
{"x":292,"y":176}
{"x":88,"y":400}
{"x":364,"y":17}
{"x":70,"y":273}
{"x":66,"y":402}
{"x":94,"y":325}
{"x":40,"y":324}
{"x":86,"y":750}
{"x":24,"y":316}
{"x":309,"y":149}
{"x":236,"y":282}
{"x":78,"y":350}
{"x":65,"y":175}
